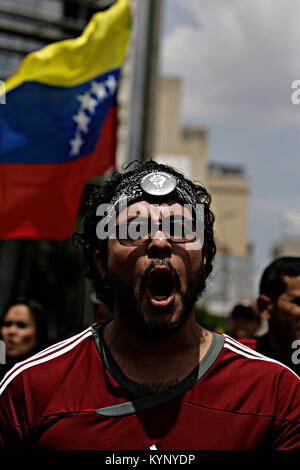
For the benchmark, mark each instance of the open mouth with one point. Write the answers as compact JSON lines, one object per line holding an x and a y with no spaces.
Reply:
{"x":161,"y":287}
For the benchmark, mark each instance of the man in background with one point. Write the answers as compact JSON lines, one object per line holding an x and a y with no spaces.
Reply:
{"x":279,"y":304}
{"x":244,"y":321}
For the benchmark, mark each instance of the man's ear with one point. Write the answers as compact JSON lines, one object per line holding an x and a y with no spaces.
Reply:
{"x":265,"y":306}
{"x":204,"y":256}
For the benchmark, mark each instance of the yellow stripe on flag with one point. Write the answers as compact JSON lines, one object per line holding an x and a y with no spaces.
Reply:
{"x":100,"y":48}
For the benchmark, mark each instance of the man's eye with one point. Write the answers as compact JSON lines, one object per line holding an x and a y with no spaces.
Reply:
{"x":181,"y":228}
{"x":137,"y":224}
{"x":136,"y":221}
{"x":134,"y":224}
{"x":188,"y":227}
{"x":140,"y":227}
{"x":20,"y":324}
{"x":176,"y":228}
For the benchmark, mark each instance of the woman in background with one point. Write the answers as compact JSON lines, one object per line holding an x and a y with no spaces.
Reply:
{"x":24,"y":330}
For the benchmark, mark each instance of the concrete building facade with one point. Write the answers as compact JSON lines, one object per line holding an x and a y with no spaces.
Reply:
{"x":183,"y":147}
{"x":286,"y":247}
{"x":186,"y":148}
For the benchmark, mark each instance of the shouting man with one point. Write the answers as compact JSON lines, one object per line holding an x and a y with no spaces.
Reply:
{"x":151,"y":377}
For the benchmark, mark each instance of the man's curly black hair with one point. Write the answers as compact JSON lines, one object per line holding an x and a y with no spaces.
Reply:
{"x":88,"y":242}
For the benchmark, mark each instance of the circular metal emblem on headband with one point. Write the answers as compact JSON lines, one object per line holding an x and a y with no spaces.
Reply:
{"x":158,"y":183}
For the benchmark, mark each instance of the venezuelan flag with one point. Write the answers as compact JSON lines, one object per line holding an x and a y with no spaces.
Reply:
{"x":58,"y":127}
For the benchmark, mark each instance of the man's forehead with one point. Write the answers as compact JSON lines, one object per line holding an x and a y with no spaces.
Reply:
{"x":146,"y":209}
{"x":292,"y":284}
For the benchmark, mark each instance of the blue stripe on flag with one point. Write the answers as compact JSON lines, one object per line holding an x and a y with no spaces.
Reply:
{"x":49,"y":124}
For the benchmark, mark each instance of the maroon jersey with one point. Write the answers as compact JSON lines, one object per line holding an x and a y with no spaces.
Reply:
{"x":73,"y":395}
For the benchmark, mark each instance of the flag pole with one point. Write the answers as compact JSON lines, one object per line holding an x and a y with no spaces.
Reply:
{"x":144,"y":80}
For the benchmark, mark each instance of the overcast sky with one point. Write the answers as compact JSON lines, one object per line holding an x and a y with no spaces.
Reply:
{"x":237,"y":60}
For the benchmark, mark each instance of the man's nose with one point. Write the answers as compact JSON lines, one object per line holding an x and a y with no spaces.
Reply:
{"x":159,"y":246}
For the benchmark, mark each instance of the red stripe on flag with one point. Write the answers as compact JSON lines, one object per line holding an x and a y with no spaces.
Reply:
{"x":41,"y":201}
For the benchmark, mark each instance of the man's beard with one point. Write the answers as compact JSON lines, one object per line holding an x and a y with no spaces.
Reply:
{"x":286,"y":332}
{"x":129,"y":305}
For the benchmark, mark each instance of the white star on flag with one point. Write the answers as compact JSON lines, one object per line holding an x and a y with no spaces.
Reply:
{"x":82,"y":120}
{"x":111,"y":83}
{"x":87,"y":102}
{"x":99,"y":90}
{"x":76,"y":144}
